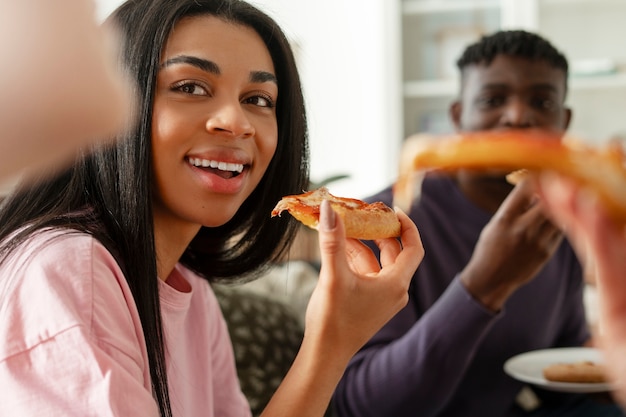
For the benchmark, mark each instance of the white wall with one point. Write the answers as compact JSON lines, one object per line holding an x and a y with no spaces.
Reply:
{"x":352,"y":85}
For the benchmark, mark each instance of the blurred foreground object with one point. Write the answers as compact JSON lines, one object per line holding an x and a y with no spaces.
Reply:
{"x":60,"y":83}
{"x":601,"y":168}
{"x":409,"y":184}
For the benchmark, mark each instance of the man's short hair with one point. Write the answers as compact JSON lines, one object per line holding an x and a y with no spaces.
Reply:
{"x":515,"y":43}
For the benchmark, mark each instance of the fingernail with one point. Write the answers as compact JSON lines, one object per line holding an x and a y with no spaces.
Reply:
{"x":327,"y":216}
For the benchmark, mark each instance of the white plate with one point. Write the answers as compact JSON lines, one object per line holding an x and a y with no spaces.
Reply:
{"x":528,"y":367}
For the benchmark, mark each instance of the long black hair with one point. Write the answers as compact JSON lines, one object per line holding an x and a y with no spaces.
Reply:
{"x":107,"y":192}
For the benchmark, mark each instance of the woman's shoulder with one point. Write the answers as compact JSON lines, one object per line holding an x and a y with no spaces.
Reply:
{"x":53,"y":281}
{"x":52,"y":243}
{"x":59,"y":255}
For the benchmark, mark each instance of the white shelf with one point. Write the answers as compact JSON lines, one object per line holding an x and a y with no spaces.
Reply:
{"x":590,"y":82}
{"x":416,"y":7}
{"x":430,"y":88}
{"x":584,"y":30}
{"x":447,"y":88}
{"x":575,"y":2}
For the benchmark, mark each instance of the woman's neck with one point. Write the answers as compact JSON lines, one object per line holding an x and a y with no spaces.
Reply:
{"x":170,"y":242}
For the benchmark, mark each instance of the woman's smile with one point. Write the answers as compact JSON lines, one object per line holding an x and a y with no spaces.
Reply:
{"x":223,"y":169}
{"x":223,"y":176}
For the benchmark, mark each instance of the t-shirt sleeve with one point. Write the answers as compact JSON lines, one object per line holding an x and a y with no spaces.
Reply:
{"x":70,"y":344}
{"x":69,"y":375}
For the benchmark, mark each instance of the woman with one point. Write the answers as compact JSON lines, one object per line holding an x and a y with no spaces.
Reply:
{"x":105,"y":304}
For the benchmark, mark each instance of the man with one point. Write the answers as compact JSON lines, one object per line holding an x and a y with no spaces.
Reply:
{"x":497,"y":278}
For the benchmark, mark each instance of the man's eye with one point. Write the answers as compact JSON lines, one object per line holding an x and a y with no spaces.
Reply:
{"x":544,"y":103}
{"x":491,"y":101}
{"x":191,"y":88}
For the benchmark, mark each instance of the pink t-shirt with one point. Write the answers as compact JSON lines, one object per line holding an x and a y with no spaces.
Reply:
{"x":71,"y":342}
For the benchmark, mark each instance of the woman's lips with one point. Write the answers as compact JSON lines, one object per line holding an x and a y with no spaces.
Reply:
{"x":219,"y":167}
{"x":219,"y":176}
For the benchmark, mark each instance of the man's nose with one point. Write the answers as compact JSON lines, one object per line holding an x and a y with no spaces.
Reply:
{"x":517,"y":114}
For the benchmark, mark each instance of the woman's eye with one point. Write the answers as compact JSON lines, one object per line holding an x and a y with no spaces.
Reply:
{"x":260,"y":101}
{"x":191,"y":88}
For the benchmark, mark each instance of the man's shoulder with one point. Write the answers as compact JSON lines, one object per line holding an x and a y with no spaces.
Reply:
{"x":385,"y":195}
{"x":432,"y":185}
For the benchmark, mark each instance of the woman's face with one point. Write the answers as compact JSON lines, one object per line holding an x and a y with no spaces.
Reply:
{"x":214,"y":128}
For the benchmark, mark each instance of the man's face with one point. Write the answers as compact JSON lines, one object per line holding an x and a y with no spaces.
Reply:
{"x":509,"y":93}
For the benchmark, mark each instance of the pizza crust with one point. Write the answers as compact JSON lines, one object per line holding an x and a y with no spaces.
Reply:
{"x":600,"y":168}
{"x":361,"y":220}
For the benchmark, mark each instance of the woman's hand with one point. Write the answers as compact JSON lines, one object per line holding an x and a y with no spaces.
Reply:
{"x":353,"y":299}
{"x":595,"y":236}
{"x":355,"y":295}
{"x":82,"y":98}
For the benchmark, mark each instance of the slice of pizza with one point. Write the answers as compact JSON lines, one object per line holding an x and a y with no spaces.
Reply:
{"x":361,"y":220}
{"x":600,"y":168}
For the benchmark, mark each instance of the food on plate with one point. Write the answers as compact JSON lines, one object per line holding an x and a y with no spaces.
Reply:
{"x":361,"y":220}
{"x":581,"y":372}
{"x":601,"y":168}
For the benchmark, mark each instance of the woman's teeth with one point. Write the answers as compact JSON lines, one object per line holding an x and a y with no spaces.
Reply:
{"x":222,"y":166}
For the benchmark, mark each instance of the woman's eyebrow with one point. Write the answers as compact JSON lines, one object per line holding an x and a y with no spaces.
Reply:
{"x":212,"y":67}
{"x":203,"y":64}
{"x":262,"y":77}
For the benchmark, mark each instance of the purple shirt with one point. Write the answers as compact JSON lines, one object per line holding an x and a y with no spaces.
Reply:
{"x":443,"y":354}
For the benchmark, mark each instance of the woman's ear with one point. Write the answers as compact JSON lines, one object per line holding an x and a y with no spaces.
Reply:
{"x":455,"y":111}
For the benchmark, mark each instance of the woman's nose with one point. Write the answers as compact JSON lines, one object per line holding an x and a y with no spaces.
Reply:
{"x":229,"y":119}
{"x":517,"y":114}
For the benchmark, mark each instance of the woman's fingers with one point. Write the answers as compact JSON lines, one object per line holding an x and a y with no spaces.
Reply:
{"x":410,"y":253}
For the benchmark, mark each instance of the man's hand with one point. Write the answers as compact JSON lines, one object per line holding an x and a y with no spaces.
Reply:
{"x":512,"y":248}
